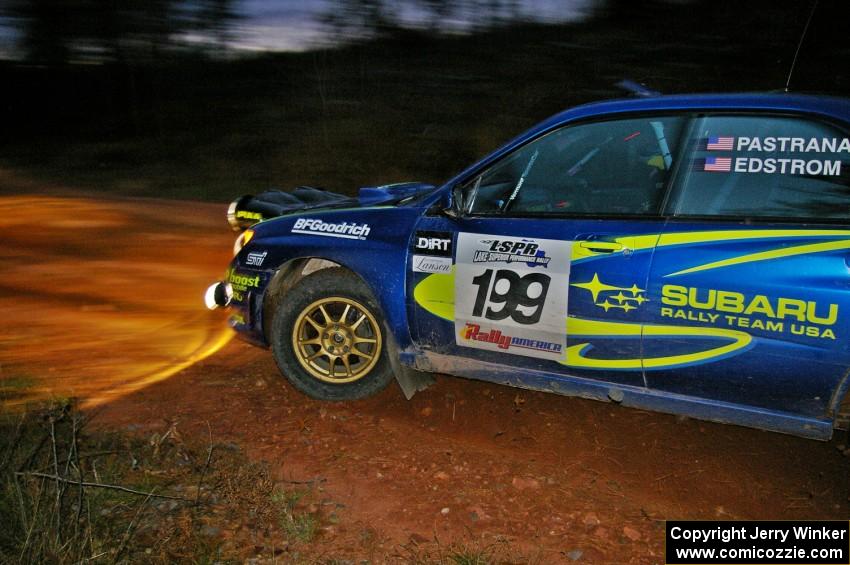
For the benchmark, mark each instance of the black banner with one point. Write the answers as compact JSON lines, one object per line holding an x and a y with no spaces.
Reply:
{"x":741,"y":542}
{"x":433,"y":243}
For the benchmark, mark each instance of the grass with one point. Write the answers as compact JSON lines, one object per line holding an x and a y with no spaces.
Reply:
{"x":469,"y":557}
{"x":473,"y":552}
{"x":16,"y":383}
{"x":297,"y":526}
{"x":71,"y":495}
{"x":15,"y":388}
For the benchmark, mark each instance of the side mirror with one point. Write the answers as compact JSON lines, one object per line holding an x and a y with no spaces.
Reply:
{"x":457,"y":203}
{"x":452,"y":206}
{"x":450,"y":213}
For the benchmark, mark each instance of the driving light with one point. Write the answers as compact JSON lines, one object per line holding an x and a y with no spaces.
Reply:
{"x":218,"y":295}
{"x":238,"y":217}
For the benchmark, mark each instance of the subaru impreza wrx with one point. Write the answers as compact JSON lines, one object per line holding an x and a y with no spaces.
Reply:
{"x":687,"y":254}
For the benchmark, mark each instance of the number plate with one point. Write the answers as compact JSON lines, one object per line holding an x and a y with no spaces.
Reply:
{"x":511,"y":294}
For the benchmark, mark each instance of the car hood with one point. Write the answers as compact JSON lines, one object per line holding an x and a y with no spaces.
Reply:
{"x":248,"y":210}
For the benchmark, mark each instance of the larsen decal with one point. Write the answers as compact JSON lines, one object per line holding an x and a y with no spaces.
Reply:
{"x":428,"y":264}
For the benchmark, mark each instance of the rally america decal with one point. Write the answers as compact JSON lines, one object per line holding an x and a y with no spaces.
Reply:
{"x":511,"y":294}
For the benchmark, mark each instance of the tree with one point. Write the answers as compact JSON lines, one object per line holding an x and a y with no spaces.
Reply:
{"x":132,"y":32}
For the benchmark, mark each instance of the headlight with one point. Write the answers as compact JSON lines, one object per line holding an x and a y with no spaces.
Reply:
{"x":239,"y":216}
{"x":242,"y":240}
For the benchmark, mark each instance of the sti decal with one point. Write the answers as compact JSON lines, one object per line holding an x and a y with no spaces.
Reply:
{"x":256,"y":259}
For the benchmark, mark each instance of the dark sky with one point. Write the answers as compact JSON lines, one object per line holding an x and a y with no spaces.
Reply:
{"x":293,"y":24}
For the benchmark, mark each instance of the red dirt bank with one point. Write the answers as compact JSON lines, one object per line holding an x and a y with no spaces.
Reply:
{"x":551,"y":475}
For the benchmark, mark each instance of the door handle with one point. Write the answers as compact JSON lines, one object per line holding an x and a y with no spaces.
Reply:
{"x":602,"y":246}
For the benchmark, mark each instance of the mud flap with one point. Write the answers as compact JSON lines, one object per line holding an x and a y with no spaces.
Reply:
{"x":409,"y":380}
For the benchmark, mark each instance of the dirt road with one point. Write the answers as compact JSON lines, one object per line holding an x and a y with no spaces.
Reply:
{"x":101,"y":299}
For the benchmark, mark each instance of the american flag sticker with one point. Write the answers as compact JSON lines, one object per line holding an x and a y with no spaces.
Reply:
{"x":720,"y":143}
{"x":718,"y":164}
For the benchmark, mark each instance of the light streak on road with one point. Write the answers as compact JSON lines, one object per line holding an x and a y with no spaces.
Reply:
{"x":101,"y":297}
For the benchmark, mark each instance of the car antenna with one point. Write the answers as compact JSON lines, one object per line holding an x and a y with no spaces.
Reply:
{"x":636,"y":88}
{"x":800,"y":45}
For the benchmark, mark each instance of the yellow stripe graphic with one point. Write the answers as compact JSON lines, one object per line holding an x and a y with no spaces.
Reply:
{"x":435,"y":294}
{"x":644,"y":242}
{"x":768,"y":255}
{"x":595,"y":328}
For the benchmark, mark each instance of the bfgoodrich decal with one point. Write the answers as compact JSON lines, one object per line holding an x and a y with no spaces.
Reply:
{"x":345,"y":230}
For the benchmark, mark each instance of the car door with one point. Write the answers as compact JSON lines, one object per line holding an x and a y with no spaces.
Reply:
{"x":752,"y":273}
{"x":546,"y":267}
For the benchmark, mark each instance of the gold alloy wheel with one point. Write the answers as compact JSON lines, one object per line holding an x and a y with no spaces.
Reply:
{"x":337,"y":340}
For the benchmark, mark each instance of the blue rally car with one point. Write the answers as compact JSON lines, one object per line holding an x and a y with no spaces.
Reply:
{"x":687,"y":254}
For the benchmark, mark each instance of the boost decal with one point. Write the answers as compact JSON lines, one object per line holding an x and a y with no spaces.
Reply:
{"x":511,"y":294}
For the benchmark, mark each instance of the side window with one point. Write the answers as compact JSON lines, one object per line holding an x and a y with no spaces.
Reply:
{"x":617,"y":167}
{"x":758,"y":166}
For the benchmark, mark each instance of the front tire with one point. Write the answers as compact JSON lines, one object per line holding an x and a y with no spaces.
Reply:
{"x":328,"y":337}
